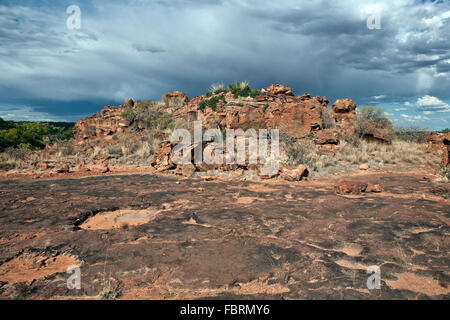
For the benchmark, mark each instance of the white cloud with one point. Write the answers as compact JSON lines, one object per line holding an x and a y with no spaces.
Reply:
{"x":430,"y":104}
{"x":412,"y":118}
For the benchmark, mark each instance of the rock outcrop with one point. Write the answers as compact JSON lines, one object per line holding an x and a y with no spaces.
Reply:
{"x":106,"y":122}
{"x":435,"y":141}
{"x":446,"y":158}
{"x":439,"y":142}
{"x":344,"y":112}
{"x":356,"y":187}
{"x":378,"y":131}
{"x":274,"y":107}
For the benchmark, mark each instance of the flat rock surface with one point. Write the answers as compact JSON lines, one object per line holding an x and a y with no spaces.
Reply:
{"x":159,"y":237}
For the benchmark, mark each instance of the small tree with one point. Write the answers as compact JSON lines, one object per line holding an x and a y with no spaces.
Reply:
{"x":370,"y":113}
{"x":370,"y":119}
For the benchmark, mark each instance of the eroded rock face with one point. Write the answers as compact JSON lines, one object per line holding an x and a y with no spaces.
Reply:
{"x":344,"y":113}
{"x":326,"y":136}
{"x":162,"y":160}
{"x":274,"y":107}
{"x":435,"y":141}
{"x":446,"y":158}
{"x":104,"y":123}
{"x":277,"y":89}
{"x":378,"y":131}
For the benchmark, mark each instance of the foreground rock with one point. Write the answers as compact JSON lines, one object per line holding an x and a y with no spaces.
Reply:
{"x":296,"y":174}
{"x":356,"y":187}
{"x":197,"y":239}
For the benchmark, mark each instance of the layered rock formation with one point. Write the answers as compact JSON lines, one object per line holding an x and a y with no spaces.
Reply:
{"x":439,"y":142}
{"x":434,"y":141}
{"x":106,"y":122}
{"x":446,"y":158}
{"x":273,"y":107}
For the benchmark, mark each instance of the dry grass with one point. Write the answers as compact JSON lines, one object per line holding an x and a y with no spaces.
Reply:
{"x":111,"y":290}
{"x":397,"y":153}
{"x":327,"y":119}
{"x":349,"y":155}
{"x":14,"y":157}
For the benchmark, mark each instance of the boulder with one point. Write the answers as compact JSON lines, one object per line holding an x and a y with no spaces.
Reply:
{"x":162,"y":160}
{"x":344,"y":114}
{"x":355,"y":187}
{"x":344,"y":106}
{"x":364,"y":167}
{"x":279,"y":89}
{"x":373,"y":188}
{"x":296,"y":174}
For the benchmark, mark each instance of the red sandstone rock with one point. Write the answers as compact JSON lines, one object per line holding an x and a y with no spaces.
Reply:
{"x":364,"y":166}
{"x":277,"y":89}
{"x":355,"y":187}
{"x":435,"y":141}
{"x":162,"y":160}
{"x":446,"y":158}
{"x":344,"y":106}
{"x":296,"y":174}
{"x":326,"y":136}
{"x":106,"y":122}
{"x":350,"y":187}
{"x":376,"y":188}
{"x":43,"y":165}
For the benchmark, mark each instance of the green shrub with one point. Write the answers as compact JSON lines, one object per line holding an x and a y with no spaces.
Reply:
{"x":212,"y":103}
{"x":446,"y":130}
{"x":242,"y":89}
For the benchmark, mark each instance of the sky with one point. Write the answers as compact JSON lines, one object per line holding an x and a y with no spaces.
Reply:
{"x":141,"y":49}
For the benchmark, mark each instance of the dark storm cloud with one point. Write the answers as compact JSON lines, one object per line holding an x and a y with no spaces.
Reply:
{"x":141,"y":49}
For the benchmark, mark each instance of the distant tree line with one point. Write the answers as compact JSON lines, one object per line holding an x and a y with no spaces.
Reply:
{"x":33,"y":135}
